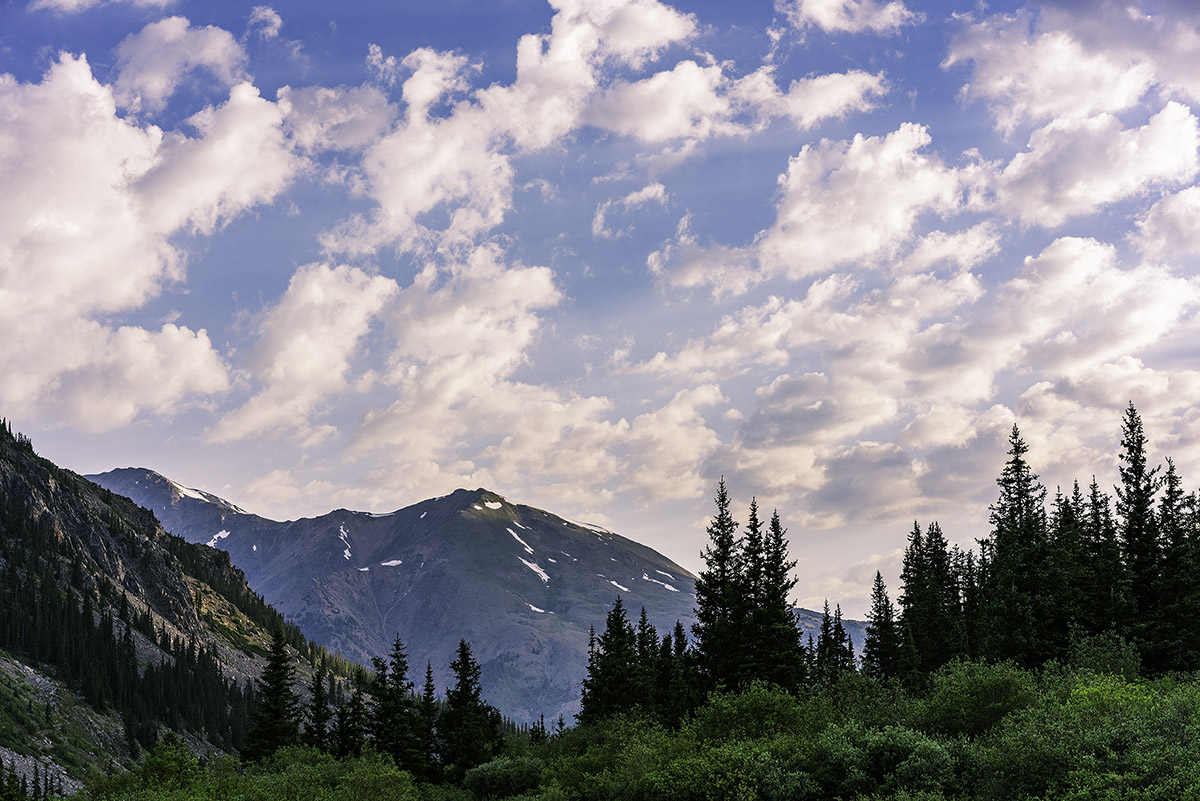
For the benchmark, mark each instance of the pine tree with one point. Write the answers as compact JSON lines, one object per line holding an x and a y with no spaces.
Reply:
{"x":350,"y":727}
{"x":427,"y":714}
{"x":1104,"y":604}
{"x":779,"y":648}
{"x":881,"y":650}
{"x":1138,"y":532}
{"x":1178,"y":626}
{"x":276,"y":722}
{"x":614,"y":681}
{"x":717,"y":630}
{"x":751,"y":580}
{"x":316,"y":733}
{"x":393,"y":714}
{"x":1013,"y":600}
{"x":470,"y":727}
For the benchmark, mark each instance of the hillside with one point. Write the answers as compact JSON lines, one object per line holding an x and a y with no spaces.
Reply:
{"x":114,"y":630}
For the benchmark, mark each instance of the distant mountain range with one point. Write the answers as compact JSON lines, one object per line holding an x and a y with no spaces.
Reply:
{"x":520,"y":584}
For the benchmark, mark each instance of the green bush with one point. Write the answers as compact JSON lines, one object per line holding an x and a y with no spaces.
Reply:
{"x":969,"y":698}
{"x":504,"y":777}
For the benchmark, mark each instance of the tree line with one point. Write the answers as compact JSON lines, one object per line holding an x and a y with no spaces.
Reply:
{"x":1077,"y":572}
{"x":431,"y":738}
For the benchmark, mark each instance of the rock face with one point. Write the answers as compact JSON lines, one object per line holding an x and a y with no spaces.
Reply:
{"x":520,"y":584}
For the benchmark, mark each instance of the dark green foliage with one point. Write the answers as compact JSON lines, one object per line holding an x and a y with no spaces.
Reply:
{"x":1139,"y":536}
{"x":719,"y":604}
{"x":504,"y":777}
{"x":350,"y":727}
{"x":316,"y":731}
{"x":614,"y":681}
{"x":394,"y":722}
{"x":469,"y":727}
{"x":881,"y":650}
{"x":277,"y":716}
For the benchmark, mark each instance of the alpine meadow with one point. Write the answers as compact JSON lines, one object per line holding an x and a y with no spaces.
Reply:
{"x":575,"y":400}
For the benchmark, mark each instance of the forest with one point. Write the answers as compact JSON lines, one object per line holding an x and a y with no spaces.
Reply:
{"x":1057,"y":660}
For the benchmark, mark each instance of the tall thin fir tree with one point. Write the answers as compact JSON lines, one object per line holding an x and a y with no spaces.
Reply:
{"x":1178,"y":629}
{"x":1105,"y":605}
{"x":781,"y":647}
{"x":316,"y":732}
{"x":881,"y":648}
{"x":717,"y":630}
{"x":614,"y":682}
{"x":470,"y":726}
{"x":277,"y":719}
{"x":1014,"y":600}
{"x":752,"y":561}
{"x":1138,"y":530}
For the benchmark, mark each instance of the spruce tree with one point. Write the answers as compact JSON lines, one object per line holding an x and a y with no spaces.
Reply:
{"x":1013,"y":600}
{"x":1177,"y":632}
{"x":881,"y":649}
{"x":316,"y":733}
{"x":779,"y":648}
{"x":1104,"y":605}
{"x":394,"y":723}
{"x":470,"y":727}
{"x":615,"y":680}
{"x":717,"y":630}
{"x":427,"y":714}
{"x":350,"y":727}
{"x":1139,"y":537}
{"x":277,"y":718}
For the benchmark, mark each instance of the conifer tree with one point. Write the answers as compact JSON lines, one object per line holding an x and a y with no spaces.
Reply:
{"x":881,"y":649}
{"x":779,"y":648}
{"x":751,"y":580}
{"x":1177,"y":633}
{"x":393,"y":713}
{"x":316,"y":733}
{"x":276,"y":722}
{"x":615,"y":679}
{"x":1139,"y":534}
{"x":717,"y":630}
{"x":1104,"y":604}
{"x":427,"y":714}
{"x":350,"y":727}
{"x":1013,"y":600}
{"x":470,"y":727}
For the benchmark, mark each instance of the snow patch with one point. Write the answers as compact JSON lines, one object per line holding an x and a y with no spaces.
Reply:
{"x":188,"y":492}
{"x":220,"y":535}
{"x":493,"y":504}
{"x":342,"y":536}
{"x":518,"y":525}
{"x":668,"y":575}
{"x":363,"y":569}
{"x":477,"y":506}
{"x":254,"y":547}
{"x":536,"y":569}
{"x":618,"y":586}
{"x":646,"y":577}
{"x":372,"y":514}
{"x":523,"y":542}
{"x":392,"y":563}
{"x":534,"y":608}
{"x":551,"y":559}
{"x":589,"y":526}
{"x":423,"y":515}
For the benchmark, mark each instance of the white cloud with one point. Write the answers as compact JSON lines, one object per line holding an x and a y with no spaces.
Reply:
{"x":810,"y":101}
{"x":75,"y":6}
{"x":305,"y":348}
{"x":851,"y":16}
{"x":856,"y":201}
{"x":343,"y":118}
{"x":1077,"y":166}
{"x":240,"y":159}
{"x":266,"y":22}
{"x":1038,"y":77}
{"x":151,"y":62}
{"x":651,"y":193}
{"x":1170,"y":230}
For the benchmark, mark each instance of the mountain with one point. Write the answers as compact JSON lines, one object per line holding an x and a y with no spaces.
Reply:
{"x":113,"y":630}
{"x":520,"y":584}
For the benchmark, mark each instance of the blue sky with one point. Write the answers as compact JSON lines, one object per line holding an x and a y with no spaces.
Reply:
{"x":595,"y":255}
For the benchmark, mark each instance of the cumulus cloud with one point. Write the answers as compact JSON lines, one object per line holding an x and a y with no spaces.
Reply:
{"x":152,"y":62}
{"x":855,"y":201}
{"x":304,"y":349}
{"x":266,"y":22}
{"x":1038,"y":77}
{"x":1170,"y":229}
{"x":123,"y":190}
{"x":342,"y":118}
{"x":850,"y":16}
{"x":1076,"y":166}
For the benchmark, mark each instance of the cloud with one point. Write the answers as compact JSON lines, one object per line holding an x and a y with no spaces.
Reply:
{"x":850,"y":16}
{"x":856,"y":201}
{"x":317,"y":118}
{"x":1074,"y":167}
{"x":1170,"y":229}
{"x":651,"y":193}
{"x":124,"y":189}
{"x":266,"y":22}
{"x":1044,"y":76}
{"x":76,"y":6}
{"x":151,"y":62}
{"x":304,"y":350}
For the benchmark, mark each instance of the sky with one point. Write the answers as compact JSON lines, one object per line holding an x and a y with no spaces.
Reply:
{"x":594,"y":255}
